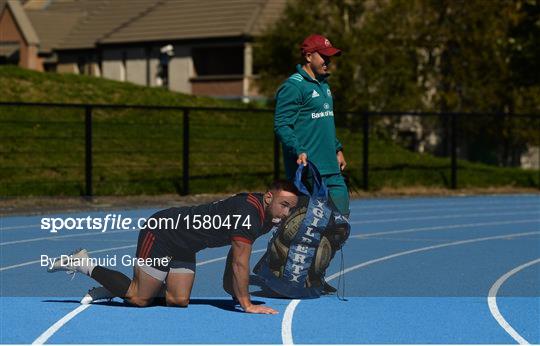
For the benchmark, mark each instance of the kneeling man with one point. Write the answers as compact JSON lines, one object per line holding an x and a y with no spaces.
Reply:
{"x":169,"y":252}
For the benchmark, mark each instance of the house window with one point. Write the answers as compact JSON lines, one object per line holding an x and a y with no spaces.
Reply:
{"x":49,"y":67}
{"x":215,"y":61}
{"x":9,"y":53}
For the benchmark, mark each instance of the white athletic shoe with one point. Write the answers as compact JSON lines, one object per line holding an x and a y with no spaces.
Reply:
{"x":70,"y":263}
{"x":95,"y":294}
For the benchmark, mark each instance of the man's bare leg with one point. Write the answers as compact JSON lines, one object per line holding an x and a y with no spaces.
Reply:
{"x":179,"y":286}
{"x":140,"y":291}
{"x":143,"y":288}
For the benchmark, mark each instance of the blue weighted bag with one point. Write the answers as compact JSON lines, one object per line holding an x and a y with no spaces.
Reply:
{"x":301,"y":248}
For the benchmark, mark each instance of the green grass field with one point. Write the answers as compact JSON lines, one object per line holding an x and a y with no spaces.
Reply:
{"x":140,"y":151}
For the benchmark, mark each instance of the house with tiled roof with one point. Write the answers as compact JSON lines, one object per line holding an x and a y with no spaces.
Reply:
{"x":201,"y":47}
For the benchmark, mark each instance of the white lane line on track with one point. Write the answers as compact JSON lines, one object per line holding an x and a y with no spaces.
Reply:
{"x":366,"y":235}
{"x":9,"y":228}
{"x":401,"y":210}
{"x":66,"y":236}
{"x":437,"y":217}
{"x":492,"y":302}
{"x":286,"y":323}
{"x":534,"y":200}
{"x":59,"y":324}
{"x":22,"y":241}
{"x":40,"y":340}
{"x":92,"y":252}
{"x":437,"y":228}
{"x":113,"y":249}
{"x":225,"y":257}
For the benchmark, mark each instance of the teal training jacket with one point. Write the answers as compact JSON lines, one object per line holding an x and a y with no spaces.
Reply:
{"x":304,"y":122}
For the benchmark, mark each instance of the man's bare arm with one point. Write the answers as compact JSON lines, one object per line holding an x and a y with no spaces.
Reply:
{"x":241,"y":252}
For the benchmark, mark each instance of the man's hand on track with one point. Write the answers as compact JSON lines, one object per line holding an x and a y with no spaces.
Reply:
{"x":260,"y":309}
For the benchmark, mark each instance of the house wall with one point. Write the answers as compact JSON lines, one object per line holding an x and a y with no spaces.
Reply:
{"x":10,"y":32}
{"x":154,"y":66}
{"x":78,"y":62}
{"x":129,"y":63}
{"x":248,"y":71}
{"x":65,"y":67}
{"x":217,"y":87}
{"x":112,"y":64}
{"x":181,"y":70}
{"x":30,"y":59}
{"x":136,"y":65}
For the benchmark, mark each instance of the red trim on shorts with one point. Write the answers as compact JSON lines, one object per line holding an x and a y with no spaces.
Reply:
{"x":241,"y":239}
{"x":147,"y":245}
{"x":143,"y":245}
{"x":150,"y":245}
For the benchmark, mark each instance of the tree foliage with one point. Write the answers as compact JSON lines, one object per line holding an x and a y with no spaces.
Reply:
{"x":278,"y":50}
{"x":422,"y":55}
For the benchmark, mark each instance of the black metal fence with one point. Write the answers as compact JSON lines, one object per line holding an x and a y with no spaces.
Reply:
{"x":52,"y":148}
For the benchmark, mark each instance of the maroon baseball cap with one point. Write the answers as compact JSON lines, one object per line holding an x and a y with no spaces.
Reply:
{"x":319,"y":44}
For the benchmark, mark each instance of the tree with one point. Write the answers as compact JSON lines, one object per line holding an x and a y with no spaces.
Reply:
{"x":410,"y":55}
{"x":277,"y":51}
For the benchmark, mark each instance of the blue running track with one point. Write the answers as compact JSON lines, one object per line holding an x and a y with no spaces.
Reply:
{"x":417,"y":270}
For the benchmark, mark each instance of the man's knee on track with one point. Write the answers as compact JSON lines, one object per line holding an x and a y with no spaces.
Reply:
{"x":177,"y":301}
{"x":139,"y":302}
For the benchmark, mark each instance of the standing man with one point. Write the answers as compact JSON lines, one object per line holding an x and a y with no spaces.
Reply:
{"x":304,"y":119}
